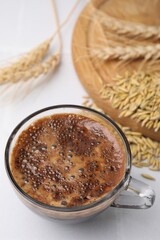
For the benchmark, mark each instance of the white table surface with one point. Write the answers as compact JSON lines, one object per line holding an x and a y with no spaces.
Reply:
{"x":23,"y":25}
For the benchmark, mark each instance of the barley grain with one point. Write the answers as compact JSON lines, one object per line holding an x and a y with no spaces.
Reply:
{"x":136,"y":99}
{"x":147,"y":176}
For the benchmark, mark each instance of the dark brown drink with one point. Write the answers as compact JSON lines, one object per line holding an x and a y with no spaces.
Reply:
{"x":67,"y":160}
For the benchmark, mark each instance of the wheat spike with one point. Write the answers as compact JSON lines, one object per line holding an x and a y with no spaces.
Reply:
{"x":39,"y":69}
{"x":127,"y":28}
{"x":127,"y":53}
{"x":25,"y":63}
{"x":32,"y":64}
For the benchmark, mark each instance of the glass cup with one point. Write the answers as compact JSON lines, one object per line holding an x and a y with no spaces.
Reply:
{"x":129,"y":193}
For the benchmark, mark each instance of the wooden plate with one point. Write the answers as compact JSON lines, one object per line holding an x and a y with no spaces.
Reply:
{"x":93,"y":74}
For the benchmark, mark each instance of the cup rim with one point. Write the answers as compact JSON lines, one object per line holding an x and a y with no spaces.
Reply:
{"x":69,"y":209}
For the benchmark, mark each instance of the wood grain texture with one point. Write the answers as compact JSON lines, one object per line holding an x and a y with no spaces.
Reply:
{"x":93,"y":74}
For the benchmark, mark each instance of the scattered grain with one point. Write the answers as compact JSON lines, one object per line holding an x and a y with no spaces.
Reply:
{"x":147,"y":176}
{"x":141,"y":101}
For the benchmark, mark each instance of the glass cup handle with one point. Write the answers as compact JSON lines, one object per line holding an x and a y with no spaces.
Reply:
{"x":138,"y":195}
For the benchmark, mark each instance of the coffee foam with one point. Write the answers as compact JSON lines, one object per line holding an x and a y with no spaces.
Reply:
{"x":68,"y":160}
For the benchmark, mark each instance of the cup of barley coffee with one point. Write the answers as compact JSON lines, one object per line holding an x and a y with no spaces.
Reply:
{"x":70,"y":162}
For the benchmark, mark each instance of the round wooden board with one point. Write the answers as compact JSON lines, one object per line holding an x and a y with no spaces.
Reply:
{"x":93,"y":74}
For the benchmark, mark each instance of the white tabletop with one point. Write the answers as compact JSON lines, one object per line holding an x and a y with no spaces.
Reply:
{"x":23,"y":25}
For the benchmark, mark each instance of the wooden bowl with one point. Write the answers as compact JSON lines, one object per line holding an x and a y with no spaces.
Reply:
{"x":93,"y":74}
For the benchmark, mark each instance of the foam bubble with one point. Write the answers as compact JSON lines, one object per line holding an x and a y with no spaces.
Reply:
{"x":66,"y":168}
{"x":72,"y":177}
{"x":63,"y":203}
{"x":54,"y":146}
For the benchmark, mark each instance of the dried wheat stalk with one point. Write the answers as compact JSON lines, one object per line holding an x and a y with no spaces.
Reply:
{"x":32,"y":65}
{"x":126,"y":28}
{"x":137,"y":95}
{"x":127,"y":53}
{"x":145,"y":152}
{"x":34,"y":57}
